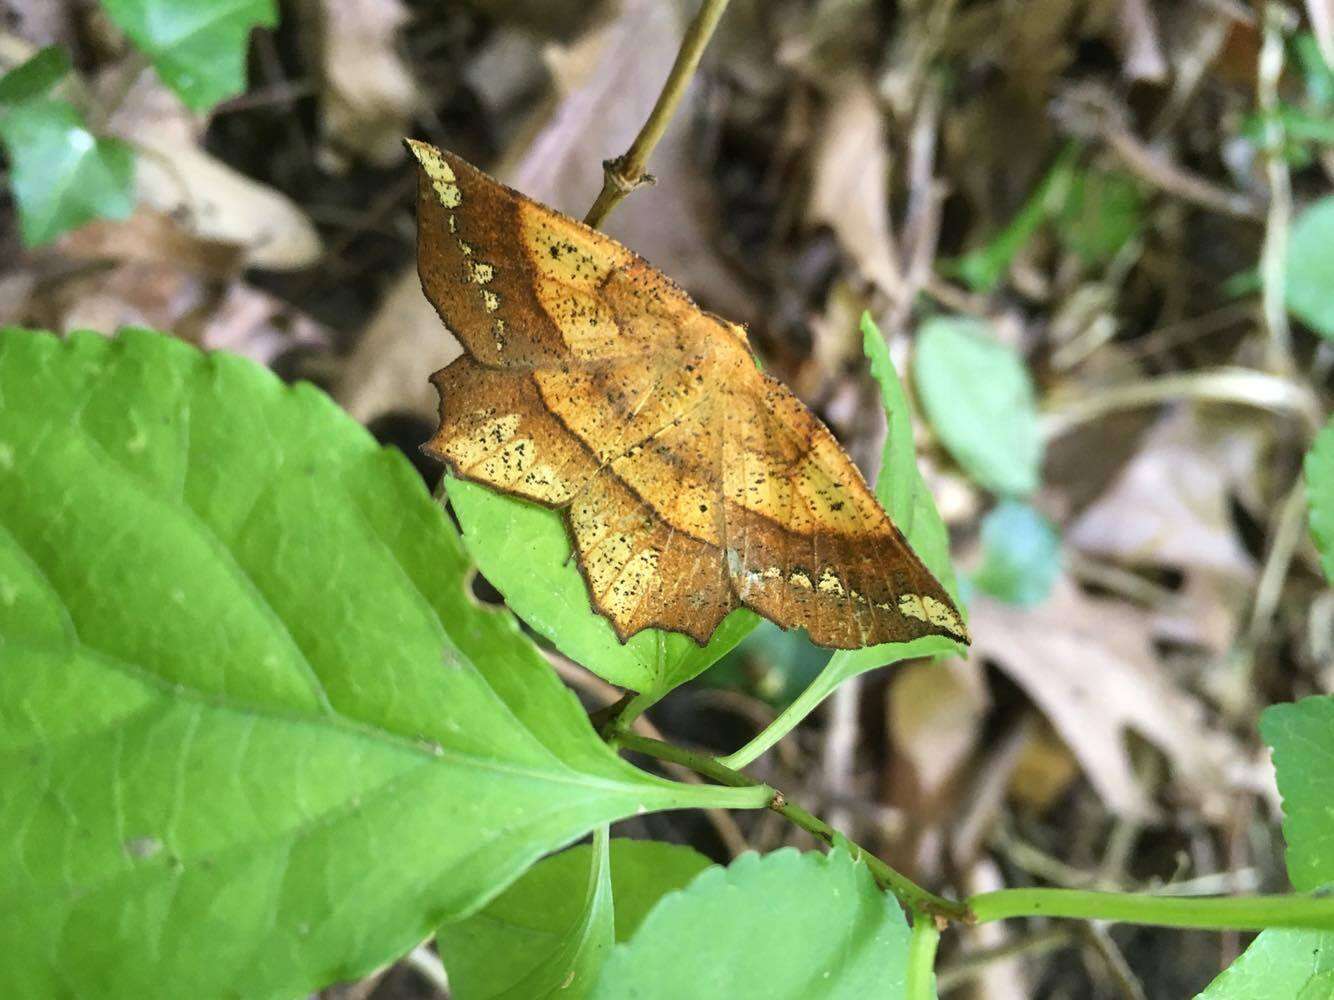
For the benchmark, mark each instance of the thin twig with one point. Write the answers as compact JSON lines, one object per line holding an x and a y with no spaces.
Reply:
{"x":625,"y":173}
{"x":1274,"y":254}
{"x":1101,"y":943}
{"x":1243,"y":386}
{"x":972,"y":964}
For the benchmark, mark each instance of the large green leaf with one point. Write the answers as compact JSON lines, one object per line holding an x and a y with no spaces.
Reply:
{"x":524,"y":551}
{"x":198,"y":47}
{"x":527,"y":943}
{"x":1283,"y":964}
{"x":1320,"y":495}
{"x":978,"y":396}
{"x":62,"y":175}
{"x":902,"y":491}
{"x":255,"y":734}
{"x":1309,"y":282}
{"x":783,"y":925}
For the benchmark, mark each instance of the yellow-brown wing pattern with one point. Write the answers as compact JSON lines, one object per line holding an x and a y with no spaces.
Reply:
{"x":691,"y":483}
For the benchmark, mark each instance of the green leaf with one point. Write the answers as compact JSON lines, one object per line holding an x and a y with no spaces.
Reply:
{"x":524,"y":551}
{"x":62,"y":175}
{"x":903,"y":493}
{"x":978,"y":396}
{"x":520,"y":945}
{"x":1103,"y":211}
{"x":783,"y":925}
{"x":1021,"y":554}
{"x":982,"y":268}
{"x":1278,"y":965}
{"x":1281,"y":964}
{"x":1320,"y":495}
{"x":1302,"y":735}
{"x":34,"y":78}
{"x":1310,"y":276}
{"x":198,"y":47}
{"x":257,"y":736}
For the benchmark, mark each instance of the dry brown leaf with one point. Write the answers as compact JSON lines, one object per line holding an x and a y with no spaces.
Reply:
{"x":211,"y":201}
{"x":404,"y":342}
{"x":367,"y":94}
{"x":607,"y":84}
{"x":151,"y":294}
{"x":1090,"y":665}
{"x":150,"y":237}
{"x":935,"y":717}
{"x":1044,"y":769}
{"x":850,"y":181}
{"x":1170,"y":508}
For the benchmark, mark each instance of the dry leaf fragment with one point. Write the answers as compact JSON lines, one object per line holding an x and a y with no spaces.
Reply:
{"x":1090,"y":665}
{"x":850,"y":185}
{"x":175,"y":177}
{"x":367,"y":95}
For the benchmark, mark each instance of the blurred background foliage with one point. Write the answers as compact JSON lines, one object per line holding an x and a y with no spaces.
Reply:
{"x":1098,"y":236}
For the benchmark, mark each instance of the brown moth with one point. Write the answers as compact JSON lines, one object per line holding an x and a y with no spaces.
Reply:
{"x":691,"y":482}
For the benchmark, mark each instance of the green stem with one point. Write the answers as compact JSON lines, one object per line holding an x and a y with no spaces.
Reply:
{"x":1241,"y":913}
{"x":922,"y":958}
{"x":625,"y":173}
{"x":909,"y":893}
{"x":800,"y":707}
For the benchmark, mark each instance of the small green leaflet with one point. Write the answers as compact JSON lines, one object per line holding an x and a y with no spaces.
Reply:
{"x":1319,"y":471}
{"x":61,"y":174}
{"x":1309,"y":283}
{"x":1282,"y":964}
{"x":520,"y":945}
{"x":1021,"y":554}
{"x":198,"y":47}
{"x":34,"y":78}
{"x":979,"y":398}
{"x":785,"y":925}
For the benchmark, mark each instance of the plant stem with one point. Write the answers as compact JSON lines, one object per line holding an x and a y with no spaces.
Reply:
{"x":625,"y":173}
{"x":1241,"y":913}
{"x":1273,"y":255}
{"x":909,"y":893}
{"x":922,"y":958}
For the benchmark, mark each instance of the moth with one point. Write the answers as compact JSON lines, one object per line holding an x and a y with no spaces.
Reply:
{"x":690,"y":482}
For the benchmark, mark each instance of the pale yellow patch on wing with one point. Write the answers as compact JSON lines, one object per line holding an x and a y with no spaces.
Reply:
{"x":545,"y":484}
{"x":830,"y":583}
{"x":480,"y":440}
{"x":910,"y":606}
{"x":491,"y":300}
{"x":940,"y":614}
{"x":800,"y":579}
{"x":510,"y":464}
{"x":440,"y":173}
